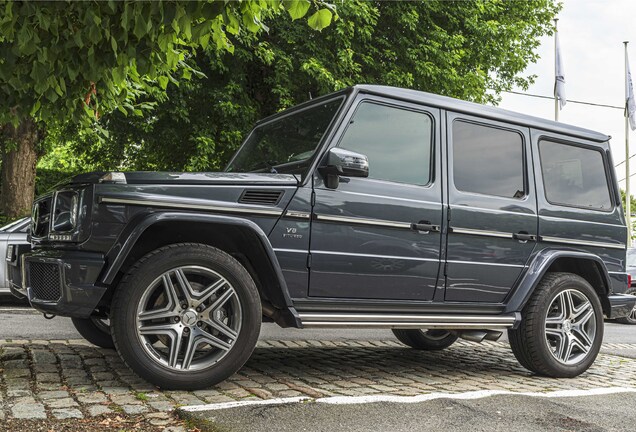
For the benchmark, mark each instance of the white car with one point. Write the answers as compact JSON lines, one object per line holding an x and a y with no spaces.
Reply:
{"x":13,"y":234}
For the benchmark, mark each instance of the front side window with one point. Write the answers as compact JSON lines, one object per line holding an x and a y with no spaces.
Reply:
{"x":574,"y":176}
{"x":398,"y":142}
{"x":285,"y":145}
{"x":488,"y":160}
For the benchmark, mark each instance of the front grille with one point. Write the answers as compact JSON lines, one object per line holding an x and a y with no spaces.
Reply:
{"x":45,"y":281}
{"x":262,"y":197}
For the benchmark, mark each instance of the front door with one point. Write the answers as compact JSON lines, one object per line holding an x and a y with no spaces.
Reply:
{"x":493,"y":208}
{"x":369,"y":236}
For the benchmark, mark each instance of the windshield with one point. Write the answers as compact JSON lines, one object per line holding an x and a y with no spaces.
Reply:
{"x":285,"y":145}
{"x":631,"y":257}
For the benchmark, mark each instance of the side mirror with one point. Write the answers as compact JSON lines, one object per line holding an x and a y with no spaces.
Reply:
{"x":341,"y":162}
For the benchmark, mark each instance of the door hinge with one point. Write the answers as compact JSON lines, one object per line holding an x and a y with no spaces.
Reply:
{"x":448,"y":214}
{"x":308,"y":260}
{"x":313,"y":198}
{"x":445,"y":269}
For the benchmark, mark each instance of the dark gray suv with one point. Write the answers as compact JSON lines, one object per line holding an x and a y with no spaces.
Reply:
{"x":371,"y":207}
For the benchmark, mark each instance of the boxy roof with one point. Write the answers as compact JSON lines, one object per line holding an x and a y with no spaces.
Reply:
{"x":479,"y":110}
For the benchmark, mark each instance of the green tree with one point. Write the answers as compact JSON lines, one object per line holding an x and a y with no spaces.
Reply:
{"x":472,"y":50}
{"x":73,"y":62}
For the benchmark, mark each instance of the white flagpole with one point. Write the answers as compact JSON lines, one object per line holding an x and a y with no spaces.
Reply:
{"x":556,"y":98}
{"x":628,"y":208}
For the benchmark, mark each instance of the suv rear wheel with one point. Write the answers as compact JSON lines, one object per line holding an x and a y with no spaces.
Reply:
{"x":95,"y":330}
{"x":561,"y":330}
{"x":433,"y":339}
{"x":186,"y":316}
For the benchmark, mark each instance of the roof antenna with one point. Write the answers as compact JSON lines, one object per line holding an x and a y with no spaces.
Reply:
{"x":310,"y":98}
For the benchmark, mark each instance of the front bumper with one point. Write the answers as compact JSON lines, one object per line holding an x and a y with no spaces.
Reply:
{"x":63,"y":282}
{"x":621,"y":305}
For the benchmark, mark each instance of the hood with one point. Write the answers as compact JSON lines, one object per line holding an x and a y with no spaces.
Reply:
{"x":194,"y":178}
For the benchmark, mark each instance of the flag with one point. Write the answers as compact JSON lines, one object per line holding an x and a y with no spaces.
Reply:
{"x":630,"y":104}
{"x":559,"y":84}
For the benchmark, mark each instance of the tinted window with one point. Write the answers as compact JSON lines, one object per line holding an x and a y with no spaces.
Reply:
{"x":287,"y":144}
{"x":396,"y":141}
{"x":574,"y":176}
{"x":487,"y":160}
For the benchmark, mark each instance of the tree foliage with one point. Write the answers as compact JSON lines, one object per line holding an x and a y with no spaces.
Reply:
{"x":470,"y":50}
{"x":55,"y":55}
{"x":70,"y":62}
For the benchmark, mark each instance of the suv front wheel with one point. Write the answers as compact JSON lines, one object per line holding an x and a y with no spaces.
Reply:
{"x":186,"y":316}
{"x":561,"y":330}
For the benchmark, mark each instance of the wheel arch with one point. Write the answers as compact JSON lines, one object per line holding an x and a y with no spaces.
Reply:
{"x":241,"y":238}
{"x":587,"y":265}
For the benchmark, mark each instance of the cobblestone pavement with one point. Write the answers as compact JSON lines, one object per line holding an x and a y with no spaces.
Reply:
{"x":72,"y":379}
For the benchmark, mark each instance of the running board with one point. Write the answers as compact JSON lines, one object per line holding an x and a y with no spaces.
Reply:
{"x":395,"y":321}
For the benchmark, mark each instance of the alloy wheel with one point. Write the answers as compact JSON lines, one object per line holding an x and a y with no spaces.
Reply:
{"x":570,"y":326}
{"x":188,"y":318}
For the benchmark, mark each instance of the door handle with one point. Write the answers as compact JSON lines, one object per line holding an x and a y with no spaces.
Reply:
{"x":424,"y":226}
{"x":524,"y":237}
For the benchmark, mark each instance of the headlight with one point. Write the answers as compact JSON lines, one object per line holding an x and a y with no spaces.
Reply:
{"x":65,"y":211}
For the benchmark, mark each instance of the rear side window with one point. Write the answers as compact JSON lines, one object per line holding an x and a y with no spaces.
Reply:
{"x":488,"y":160}
{"x":398,"y":142}
{"x":574,"y":176}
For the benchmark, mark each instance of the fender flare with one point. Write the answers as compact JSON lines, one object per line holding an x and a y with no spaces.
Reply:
{"x":538,"y":268}
{"x":277,"y":295}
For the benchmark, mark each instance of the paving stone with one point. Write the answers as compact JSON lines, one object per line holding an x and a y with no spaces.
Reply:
{"x":92,"y":397}
{"x":67,"y":413}
{"x":57,"y":394}
{"x":28,"y":411}
{"x":62,"y":403}
{"x":165,"y":406}
{"x":134,"y":409}
{"x":97,"y":410}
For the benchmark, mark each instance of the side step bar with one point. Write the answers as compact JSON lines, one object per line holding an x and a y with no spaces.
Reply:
{"x":398,"y":321}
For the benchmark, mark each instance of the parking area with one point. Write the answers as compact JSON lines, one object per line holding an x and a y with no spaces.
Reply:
{"x":71,"y":379}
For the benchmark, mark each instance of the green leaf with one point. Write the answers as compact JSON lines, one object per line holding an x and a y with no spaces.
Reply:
{"x":140,"y":26}
{"x":36,"y":107}
{"x":163,"y":82}
{"x":297,"y":8}
{"x":320,"y":19}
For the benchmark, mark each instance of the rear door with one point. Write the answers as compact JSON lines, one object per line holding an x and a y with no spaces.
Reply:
{"x":363,"y":241}
{"x":493,"y":208}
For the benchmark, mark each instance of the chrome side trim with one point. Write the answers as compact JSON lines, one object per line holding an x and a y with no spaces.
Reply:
{"x":323,"y":252}
{"x":297,"y":214}
{"x":393,"y":198}
{"x":291,"y":250}
{"x":492,"y":210}
{"x":557,"y":218}
{"x":189,"y":206}
{"x":331,"y":320}
{"x":550,"y":239}
{"x":617,"y":272}
{"x":486,"y":263}
{"x":484,"y":233}
{"x":364,"y":221}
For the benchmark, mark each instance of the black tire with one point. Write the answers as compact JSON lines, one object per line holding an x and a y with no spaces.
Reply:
{"x":429,"y":340}
{"x":631,"y":318}
{"x":154,"y":265}
{"x":529,"y":342}
{"x":95,"y":331}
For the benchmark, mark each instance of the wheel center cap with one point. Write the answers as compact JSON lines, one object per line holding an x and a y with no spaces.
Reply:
{"x":567,"y":326}
{"x":189,"y":317}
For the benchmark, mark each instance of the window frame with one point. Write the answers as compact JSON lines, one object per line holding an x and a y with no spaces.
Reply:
{"x":585,"y":147}
{"x":524,"y":158}
{"x":433,"y":155}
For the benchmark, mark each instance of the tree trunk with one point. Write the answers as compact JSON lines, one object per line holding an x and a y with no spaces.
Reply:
{"x":19,"y":158}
